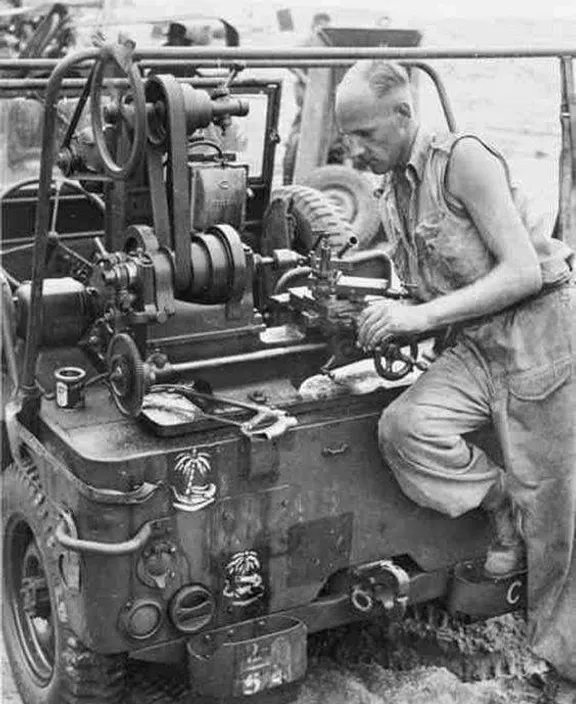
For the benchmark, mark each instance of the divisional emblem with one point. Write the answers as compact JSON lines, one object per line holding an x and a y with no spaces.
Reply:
{"x":244,"y":583}
{"x":190,"y":481}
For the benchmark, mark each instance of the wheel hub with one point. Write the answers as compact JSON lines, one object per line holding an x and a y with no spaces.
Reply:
{"x":35,"y":597}
{"x":29,"y":596}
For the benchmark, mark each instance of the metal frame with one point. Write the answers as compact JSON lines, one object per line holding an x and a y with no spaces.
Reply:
{"x":311,"y":56}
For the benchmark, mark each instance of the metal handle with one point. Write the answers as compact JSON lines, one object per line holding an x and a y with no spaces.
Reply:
{"x":97,"y":548}
{"x":334,"y":451}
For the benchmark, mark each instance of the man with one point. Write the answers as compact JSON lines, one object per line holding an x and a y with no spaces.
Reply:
{"x":177,"y":35}
{"x":479,"y":266}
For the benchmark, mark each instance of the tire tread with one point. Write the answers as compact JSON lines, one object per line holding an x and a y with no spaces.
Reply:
{"x":84,"y":676}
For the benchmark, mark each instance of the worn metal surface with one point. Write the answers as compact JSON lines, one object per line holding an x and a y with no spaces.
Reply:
{"x":300,"y":538}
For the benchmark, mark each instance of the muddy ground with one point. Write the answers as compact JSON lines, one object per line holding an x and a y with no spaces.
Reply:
{"x":364,"y":664}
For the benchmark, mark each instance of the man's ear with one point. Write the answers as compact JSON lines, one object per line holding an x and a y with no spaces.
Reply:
{"x":404,"y":109}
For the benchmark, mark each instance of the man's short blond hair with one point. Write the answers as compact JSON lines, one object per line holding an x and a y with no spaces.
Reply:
{"x":381,"y":76}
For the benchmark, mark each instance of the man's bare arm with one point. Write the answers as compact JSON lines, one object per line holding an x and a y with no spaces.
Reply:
{"x":478,"y":180}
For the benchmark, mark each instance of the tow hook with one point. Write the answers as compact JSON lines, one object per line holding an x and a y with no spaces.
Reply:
{"x":380,"y":585}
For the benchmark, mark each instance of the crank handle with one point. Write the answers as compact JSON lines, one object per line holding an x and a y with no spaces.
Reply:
{"x":268,"y":424}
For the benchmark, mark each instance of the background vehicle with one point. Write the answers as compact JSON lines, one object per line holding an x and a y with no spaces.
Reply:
{"x":43,"y":30}
{"x":175,"y":494}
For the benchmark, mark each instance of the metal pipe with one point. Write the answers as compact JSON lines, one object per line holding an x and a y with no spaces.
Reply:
{"x":19,"y":185}
{"x":247,"y":54}
{"x":17,"y":248}
{"x":442,"y":94}
{"x":32,"y":64}
{"x":21,"y":85}
{"x":98,"y":548}
{"x":222,"y":56}
{"x":28,"y":241}
{"x":289,"y":276}
{"x":235,"y":358}
{"x":42,"y":224}
{"x":566,"y":166}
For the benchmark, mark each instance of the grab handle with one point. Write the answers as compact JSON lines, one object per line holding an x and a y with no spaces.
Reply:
{"x":97,"y":548}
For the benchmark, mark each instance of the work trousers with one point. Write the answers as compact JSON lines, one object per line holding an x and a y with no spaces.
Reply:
{"x":515,"y":371}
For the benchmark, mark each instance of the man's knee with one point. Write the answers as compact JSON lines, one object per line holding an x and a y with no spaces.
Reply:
{"x":402,"y":428}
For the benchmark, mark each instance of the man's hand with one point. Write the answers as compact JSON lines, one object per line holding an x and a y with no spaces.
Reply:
{"x":384,"y":320}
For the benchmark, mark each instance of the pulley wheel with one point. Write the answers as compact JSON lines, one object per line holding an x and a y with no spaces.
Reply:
{"x":137,"y":123}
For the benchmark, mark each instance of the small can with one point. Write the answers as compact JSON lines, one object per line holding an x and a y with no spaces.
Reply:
{"x":70,"y":387}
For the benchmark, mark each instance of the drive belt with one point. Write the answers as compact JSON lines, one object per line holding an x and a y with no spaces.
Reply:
{"x":170,"y":138}
{"x":162,"y":227}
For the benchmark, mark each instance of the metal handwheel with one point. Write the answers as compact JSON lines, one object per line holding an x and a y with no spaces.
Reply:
{"x":392,"y":363}
{"x":80,"y":263}
{"x":126,"y":374}
{"x":137,"y":122}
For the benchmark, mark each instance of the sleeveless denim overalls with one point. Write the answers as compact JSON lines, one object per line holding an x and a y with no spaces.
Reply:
{"x":514,"y":369}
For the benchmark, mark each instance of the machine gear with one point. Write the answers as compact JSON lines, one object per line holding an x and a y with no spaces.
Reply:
{"x":126,"y":374}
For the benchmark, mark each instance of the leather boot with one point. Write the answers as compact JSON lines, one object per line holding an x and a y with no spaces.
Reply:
{"x":507,"y":554}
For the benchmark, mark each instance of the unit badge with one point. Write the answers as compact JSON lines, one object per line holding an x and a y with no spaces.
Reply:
{"x":244,"y":584}
{"x":189,"y":480}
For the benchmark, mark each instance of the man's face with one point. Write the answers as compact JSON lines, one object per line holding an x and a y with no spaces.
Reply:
{"x":378,"y":132}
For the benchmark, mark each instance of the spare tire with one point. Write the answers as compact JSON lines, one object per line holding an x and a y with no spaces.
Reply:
{"x":351,"y":193}
{"x":294,"y":217}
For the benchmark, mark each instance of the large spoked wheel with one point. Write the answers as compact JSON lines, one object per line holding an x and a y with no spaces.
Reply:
{"x":49,"y":664}
{"x":15,"y":256}
{"x":133,"y":113}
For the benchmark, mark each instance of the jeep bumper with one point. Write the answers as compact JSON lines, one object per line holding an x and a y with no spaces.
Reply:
{"x":248,"y":658}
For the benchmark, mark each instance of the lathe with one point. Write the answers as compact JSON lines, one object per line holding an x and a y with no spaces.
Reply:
{"x":183,"y":500}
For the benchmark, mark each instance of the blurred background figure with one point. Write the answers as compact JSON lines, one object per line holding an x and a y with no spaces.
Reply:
{"x":177,"y":35}
{"x":320,"y":19}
